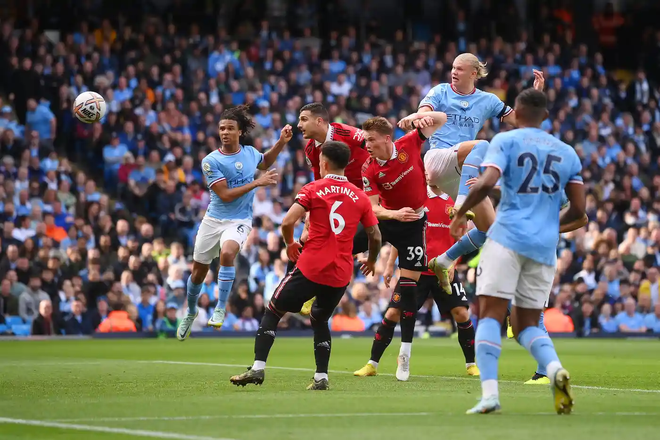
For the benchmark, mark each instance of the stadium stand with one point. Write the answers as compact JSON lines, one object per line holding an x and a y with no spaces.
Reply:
{"x":100,"y":219}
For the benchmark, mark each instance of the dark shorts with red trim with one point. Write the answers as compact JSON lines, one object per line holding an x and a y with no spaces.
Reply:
{"x":409,"y":238}
{"x":427,"y":287}
{"x":295,"y":290}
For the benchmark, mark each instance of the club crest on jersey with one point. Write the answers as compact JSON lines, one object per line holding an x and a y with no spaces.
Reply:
{"x":402,"y":157}
{"x":239,"y":165}
{"x":465,"y":104}
{"x":448,"y":210}
{"x":381,"y":175}
{"x":396,"y":297}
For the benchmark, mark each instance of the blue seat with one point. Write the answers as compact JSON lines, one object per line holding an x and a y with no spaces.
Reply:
{"x":13,"y":320}
{"x":21,"y":330}
{"x":3,"y":328}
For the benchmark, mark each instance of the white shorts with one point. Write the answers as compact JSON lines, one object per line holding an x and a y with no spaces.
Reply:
{"x":442,"y":170}
{"x":213,"y":233}
{"x":503,"y":273}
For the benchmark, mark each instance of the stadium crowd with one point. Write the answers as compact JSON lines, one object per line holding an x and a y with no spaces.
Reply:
{"x":99,"y":220}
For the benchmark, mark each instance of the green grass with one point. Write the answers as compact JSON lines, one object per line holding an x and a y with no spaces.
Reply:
{"x":117,"y":385}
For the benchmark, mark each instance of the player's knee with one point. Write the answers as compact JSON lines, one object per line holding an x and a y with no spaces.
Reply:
{"x":393,"y":315}
{"x":460,"y":314}
{"x":227,"y":256}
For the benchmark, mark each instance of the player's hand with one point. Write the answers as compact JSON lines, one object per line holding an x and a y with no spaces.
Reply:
{"x":457,"y":227}
{"x":387,"y":275}
{"x":406,"y":215}
{"x":293,"y":251}
{"x":424,"y":122}
{"x":268,"y":178}
{"x":539,"y":80}
{"x":368,"y":267}
{"x":286,"y":134}
{"x":471,"y":182}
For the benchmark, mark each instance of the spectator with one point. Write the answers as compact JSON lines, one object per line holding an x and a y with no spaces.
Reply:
{"x":586,"y":319}
{"x":45,"y":323}
{"x":370,"y":316}
{"x":117,"y":321}
{"x":78,"y":323}
{"x":8,"y":302}
{"x":30,"y":300}
{"x":556,"y":321}
{"x":652,"y":320}
{"x":169,"y":322}
{"x":629,"y":320}
{"x":347,"y":320}
{"x":247,"y":323}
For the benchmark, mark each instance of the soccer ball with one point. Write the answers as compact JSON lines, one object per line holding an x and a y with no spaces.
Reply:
{"x":89,"y":107}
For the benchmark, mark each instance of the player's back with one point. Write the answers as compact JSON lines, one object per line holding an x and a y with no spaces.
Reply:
{"x":466,"y":113}
{"x":351,"y":136}
{"x":438,"y":238}
{"x":335,"y":208}
{"x":238,"y":170}
{"x":537,"y":168}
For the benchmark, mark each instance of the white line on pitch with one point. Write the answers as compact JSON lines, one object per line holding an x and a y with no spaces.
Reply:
{"x":208,"y":364}
{"x":244,"y":416}
{"x":133,"y":432}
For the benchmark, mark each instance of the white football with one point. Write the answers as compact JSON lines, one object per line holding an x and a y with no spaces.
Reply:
{"x":89,"y":107}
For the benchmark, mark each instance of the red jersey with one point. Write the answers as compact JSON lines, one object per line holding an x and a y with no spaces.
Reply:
{"x":335,"y":208}
{"x":400,"y":180}
{"x":351,"y":136}
{"x":438,"y":238}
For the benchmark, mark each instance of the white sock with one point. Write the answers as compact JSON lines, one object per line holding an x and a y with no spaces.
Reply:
{"x":444,"y":260}
{"x":552,"y":369}
{"x":259,"y":365}
{"x":373,"y":364}
{"x":406,"y":347}
{"x":470,"y":364}
{"x":319,"y":376}
{"x":489,"y":388}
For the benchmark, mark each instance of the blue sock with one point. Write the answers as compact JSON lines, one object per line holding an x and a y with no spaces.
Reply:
{"x":226,"y":277}
{"x":539,"y":344}
{"x":470,"y":168}
{"x":192,"y":293}
{"x":488,"y":346}
{"x":470,"y":242}
{"x":540,"y":369}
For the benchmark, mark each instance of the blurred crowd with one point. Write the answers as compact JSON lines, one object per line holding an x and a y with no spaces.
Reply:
{"x":99,"y":220}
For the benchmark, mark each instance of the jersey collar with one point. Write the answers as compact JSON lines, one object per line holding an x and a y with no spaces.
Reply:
{"x":394,"y":155}
{"x":433,"y":195}
{"x":462,"y":94}
{"x":336,"y":177}
{"x":328,"y":137}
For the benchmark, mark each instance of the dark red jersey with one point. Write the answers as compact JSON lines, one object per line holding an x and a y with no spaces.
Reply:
{"x":335,"y":208}
{"x":399,"y":181}
{"x":438,"y":238}
{"x":351,"y":136}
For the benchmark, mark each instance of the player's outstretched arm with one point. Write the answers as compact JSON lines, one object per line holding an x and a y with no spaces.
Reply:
{"x":539,"y":84}
{"x":288,"y":225}
{"x":271,"y":155}
{"x":576,"y":211}
{"x":402,"y":215}
{"x":228,"y":195}
{"x":427,"y":122}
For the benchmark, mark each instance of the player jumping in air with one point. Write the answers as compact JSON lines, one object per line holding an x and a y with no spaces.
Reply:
{"x":455,"y":156}
{"x":314,"y":126}
{"x":438,"y":240}
{"x":335,"y":208}
{"x":518,"y":260}
{"x":229,"y":173}
{"x":394,"y":180}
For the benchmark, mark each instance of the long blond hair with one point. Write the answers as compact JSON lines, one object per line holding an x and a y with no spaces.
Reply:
{"x":473,"y":61}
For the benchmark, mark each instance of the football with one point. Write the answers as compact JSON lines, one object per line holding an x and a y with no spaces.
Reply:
{"x":89,"y":107}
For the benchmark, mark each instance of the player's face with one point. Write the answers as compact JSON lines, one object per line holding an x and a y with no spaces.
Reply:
{"x":229,"y":132}
{"x":309,"y":125}
{"x":377,"y":144}
{"x":462,"y":74}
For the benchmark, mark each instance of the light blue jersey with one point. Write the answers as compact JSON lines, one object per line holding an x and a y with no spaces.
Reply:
{"x":535,"y":167}
{"x":237,"y":169}
{"x":466,"y":114}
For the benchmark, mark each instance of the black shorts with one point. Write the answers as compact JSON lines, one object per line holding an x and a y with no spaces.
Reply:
{"x":295,"y":290}
{"x":409,"y":238}
{"x":428,"y":286}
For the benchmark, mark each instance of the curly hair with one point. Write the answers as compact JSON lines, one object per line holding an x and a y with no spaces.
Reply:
{"x":241,"y":115}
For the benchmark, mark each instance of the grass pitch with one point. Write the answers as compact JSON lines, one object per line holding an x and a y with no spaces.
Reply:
{"x":123,"y":389}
